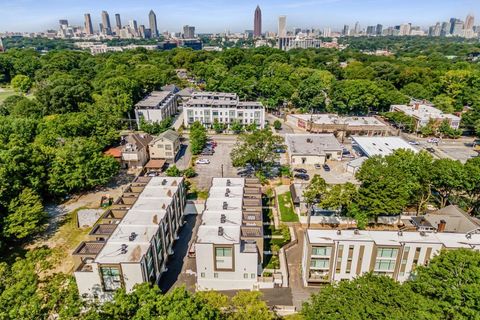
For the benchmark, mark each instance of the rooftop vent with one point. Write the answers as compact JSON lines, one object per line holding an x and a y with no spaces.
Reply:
{"x":164,"y":182}
{"x":132,"y":236}
{"x":339,"y":232}
{"x":423,"y":233}
{"x":356,"y":232}
{"x":400,"y":233}
{"x":223,"y":218}
{"x":123,"y":249}
{"x":225,"y":205}
{"x":220,"y":231}
{"x":229,"y":183}
{"x":309,"y":140}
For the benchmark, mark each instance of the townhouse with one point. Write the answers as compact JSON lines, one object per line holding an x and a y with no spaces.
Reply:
{"x":133,"y":239}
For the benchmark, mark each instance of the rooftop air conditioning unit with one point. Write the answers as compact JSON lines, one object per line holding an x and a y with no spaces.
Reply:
{"x":225,"y":205}
{"x":220,"y":231}
{"x":123,"y":249}
{"x":132,"y":236}
{"x":223,"y":218}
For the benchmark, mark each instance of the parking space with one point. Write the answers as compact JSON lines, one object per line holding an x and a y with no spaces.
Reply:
{"x":461,"y":153}
{"x":337,"y":175}
{"x":220,"y":163}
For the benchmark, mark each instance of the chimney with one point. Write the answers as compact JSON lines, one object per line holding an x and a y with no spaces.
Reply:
{"x":441,"y":226}
{"x":417,"y":105}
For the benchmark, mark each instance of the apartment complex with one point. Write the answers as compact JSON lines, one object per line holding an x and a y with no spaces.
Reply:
{"x":340,"y":126}
{"x":226,"y":108}
{"x":424,"y":113}
{"x":334,"y":255}
{"x":133,"y":239}
{"x":157,"y":106}
{"x":229,"y":244}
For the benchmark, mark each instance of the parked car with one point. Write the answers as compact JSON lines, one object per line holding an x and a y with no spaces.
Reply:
{"x":202,"y":161}
{"x":318,"y":166}
{"x":300,"y":170}
{"x":433,"y":140}
{"x":326,"y":168}
{"x":431,"y":150}
{"x":302,"y":176}
{"x":414,"y":143}
{"x":279,"y":151}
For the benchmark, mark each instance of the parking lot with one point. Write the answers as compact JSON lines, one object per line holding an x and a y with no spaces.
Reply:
{"x":336,"y":175}
{"x":220,"y":163}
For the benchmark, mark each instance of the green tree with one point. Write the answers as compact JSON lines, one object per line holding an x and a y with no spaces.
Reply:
{"x":173,"y":171}
{"x":257,"y":148}
{"x":354,"y":97}
{"x":155,"y":128}
{"x":189,"y":173}
{"x":248,"y":305}
{"x":198,"y":137}
{"x":236,"y":127}
{"x":277,"y":125}
{"x":451,"y":281}
{"x":367,"y":297}
{"x":339,"y":197}
{"x":21,"y":83}
{"x":25,"y":215}
{"x":315,"y":191}
{"x":448,"y":176}
{"x":217,"y":126}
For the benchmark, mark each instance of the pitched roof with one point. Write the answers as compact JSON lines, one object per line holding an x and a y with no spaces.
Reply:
{"x":139,"y":140}
{"x":169,"y":135}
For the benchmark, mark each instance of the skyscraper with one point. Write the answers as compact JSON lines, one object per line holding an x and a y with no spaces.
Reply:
{"x":445,"y":29}
{"x":107,"y":27}
{"x":118,"y":21}
{"x":379,"y":30}
{"x":2,"y":48}
{"x":282,"y":26}
{"x":469,"y":22}
{"x":134,"y":26}
{"x":257,"y":23}
{"x":152,"y":17}
{"x":88,"y":24}
{"x":356,"y":30}
{"x":188,"y":32}
{"x":346,"y":30}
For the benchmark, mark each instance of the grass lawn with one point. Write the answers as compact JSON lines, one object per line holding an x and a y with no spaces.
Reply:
{"x":285,"y":204}
{"x":5,"y":93}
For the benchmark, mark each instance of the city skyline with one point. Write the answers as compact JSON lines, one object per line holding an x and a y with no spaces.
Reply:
{"x":236,"y":16}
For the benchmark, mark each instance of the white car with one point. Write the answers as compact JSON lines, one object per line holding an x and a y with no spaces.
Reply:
{"x":202,"y":161}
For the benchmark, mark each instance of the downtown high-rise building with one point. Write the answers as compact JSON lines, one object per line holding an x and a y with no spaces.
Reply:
{"x":118,"y":22}
{"x":257,"y":23}
{"x":282,"y":26}
{"x":346,"y":30}
{"x":356,"y":30}
{"x":188,"y":32}
{"x":133,"y":26}
{"x":107,"y":27}
{"x":469,"y":22}
{"x":88,"y":24}
{"x":152,"y":18}
{"x":379,"y":30}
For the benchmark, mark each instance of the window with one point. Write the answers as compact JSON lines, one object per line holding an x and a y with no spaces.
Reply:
{"x":223,"y":258}
{"x":320,"y":263}
{"x":245,"y":276}
{"x":387,"y":253}
{"x":111,"y":278}
{"x":385,"y":265}
{"x":160,"y":146}
{"x":168,"y":147}
{"x":215,"y":275}
{"x":202,"y":275}
{"x":321,"y":251}
{"x":253,"y":275}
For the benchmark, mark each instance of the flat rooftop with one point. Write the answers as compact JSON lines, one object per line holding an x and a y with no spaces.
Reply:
{"x":424,"y":112}
{"x":131,"y":239}
{"x":155,"y":99}
{"x":381,"y":146}
{"x":394,"y":238}
{"x":311,"y":144}
{"x":329,"y":119}
{"x":214,"y":218}
{"x":211,"y":234}
{"x":214,"y":95}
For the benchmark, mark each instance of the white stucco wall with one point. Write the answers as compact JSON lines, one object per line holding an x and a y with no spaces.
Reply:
{"x":132,"y":274}
{"x":226,"y":280}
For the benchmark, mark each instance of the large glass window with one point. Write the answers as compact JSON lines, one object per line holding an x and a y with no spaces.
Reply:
{"x":321,"y":251}
{"x":223,"y":258}
{"x":385,"y":265}
{"x":111,"y":277}
{"x":387,"y":253}
{"x":320,"y":264}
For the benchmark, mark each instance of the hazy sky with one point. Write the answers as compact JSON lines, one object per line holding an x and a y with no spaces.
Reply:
{"x":218,"y":15}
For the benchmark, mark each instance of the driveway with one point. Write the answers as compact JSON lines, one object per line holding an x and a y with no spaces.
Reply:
{"x":181,"y":269}
{"x":300,"y":293}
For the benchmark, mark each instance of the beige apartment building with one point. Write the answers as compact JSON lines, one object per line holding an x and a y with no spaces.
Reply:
{"x":335,"y":255}
{"x":165,"y":146}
